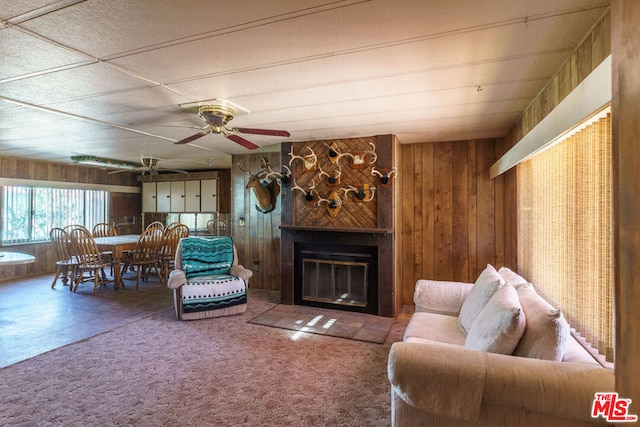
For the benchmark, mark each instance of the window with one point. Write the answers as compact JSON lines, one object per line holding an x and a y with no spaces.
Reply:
{"x":28,"y":213}
{"x":565,"y":230}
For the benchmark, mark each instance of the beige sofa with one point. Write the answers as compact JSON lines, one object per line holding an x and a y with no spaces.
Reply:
{"x":445,"y":373}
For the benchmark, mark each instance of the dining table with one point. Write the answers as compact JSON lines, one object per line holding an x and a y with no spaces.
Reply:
{"x":15,"y":258}
{"x":117,"y":245}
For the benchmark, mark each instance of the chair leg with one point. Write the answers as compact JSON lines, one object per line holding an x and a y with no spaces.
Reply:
{"x":55,"y":279}
{"x":140,"y":268}
{"x":96,"y":277}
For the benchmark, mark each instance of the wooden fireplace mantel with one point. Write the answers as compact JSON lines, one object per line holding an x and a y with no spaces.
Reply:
{"x":337,"y":230}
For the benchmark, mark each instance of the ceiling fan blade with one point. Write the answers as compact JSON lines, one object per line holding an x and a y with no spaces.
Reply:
{"x":171,"y":170}
{"x":244,"y":142}
{"x":270,"y":132}
{"x":119,"y":171}
{"x":192,"y":137}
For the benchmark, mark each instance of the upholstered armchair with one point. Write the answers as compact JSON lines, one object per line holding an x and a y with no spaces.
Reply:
{"x":207,"y":280}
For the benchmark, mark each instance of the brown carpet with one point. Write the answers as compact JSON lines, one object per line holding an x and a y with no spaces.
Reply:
{"x":334,"y":323}
{"x":158,"y":371}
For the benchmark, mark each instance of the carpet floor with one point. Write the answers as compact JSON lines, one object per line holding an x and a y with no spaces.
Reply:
{"x":158,"y":371}
{"x":334,"y":323}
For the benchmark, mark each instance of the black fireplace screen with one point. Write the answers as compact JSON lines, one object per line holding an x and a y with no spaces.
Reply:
{"x":336,"y":276}
{"x":335,"y":282}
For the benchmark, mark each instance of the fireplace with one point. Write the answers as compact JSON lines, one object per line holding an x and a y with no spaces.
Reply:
{"x":343,"y":259}
{"x":336,"y":276}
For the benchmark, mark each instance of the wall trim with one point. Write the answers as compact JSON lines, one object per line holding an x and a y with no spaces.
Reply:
{"x":75,"y":185}
{"x":587,"y":99}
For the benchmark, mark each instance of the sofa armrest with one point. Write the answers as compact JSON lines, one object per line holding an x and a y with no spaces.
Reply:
{"x":559,"y":389}
{"x":441,"y":379}
{"x":241,"y":272}
{"x":451,"y":381}
{"x":177,"y":278}
{"x":435,"y":296}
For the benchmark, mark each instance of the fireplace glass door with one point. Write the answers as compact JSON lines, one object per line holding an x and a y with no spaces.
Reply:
{"x":335,"y":282}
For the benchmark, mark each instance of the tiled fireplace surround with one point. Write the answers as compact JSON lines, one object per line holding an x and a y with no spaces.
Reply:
{"x":297,"y":230}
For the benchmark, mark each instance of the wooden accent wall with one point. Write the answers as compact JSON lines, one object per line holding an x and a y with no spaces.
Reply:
{"x":259,"y":239}
{"x":626,"y":156}
{"x":18,"y":168}
{"x":352,"y":214}
{"x":452,"y":213}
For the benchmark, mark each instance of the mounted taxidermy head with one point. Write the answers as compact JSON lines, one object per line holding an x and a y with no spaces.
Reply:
{"x":263,"y":184}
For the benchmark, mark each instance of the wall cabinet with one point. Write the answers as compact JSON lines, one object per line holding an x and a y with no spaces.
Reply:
{"x":163,"y":197}
{"x":180,"y":196}
{"x":192,"y":196}
{"x":209,"y":195}
{"x":149,"y":196}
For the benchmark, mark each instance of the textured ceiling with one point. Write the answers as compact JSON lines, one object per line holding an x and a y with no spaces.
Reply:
{"x":107,"y":77}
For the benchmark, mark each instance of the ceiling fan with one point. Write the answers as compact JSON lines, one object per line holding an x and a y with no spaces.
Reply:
{"x":217,"y":117}
{"x":150,"y":165}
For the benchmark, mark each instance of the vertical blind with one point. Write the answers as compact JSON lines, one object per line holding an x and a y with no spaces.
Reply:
{"x":565,"y":230}
{"x":28,"y":213}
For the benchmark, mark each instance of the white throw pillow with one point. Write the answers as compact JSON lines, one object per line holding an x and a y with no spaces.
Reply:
{"x":482,"y":290}
{"x":547,"y":333}
{"x":500,"y":325}
{"x":511,"y":277}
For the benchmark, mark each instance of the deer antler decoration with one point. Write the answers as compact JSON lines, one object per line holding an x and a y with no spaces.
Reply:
{"x":309,"y":161}
{"x":386,"y":175}
{"x":308,"y":193}
{"x":334,"y":203}
{"x":333,"y":179}
{"x":362,"y":194}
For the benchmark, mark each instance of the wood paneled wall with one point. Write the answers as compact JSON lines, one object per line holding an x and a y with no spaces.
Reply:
{"x":17,"y":168}
{"x":452,"y":212}
{"x":626,"y":157}
{"x":259,"y":239}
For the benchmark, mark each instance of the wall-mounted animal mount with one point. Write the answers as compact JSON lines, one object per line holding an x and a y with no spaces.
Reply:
{"x":263,"y":184}
{"x":333,"y":203}
{"x":308,"y":193}
{"x":284,"y":178}
{"x":309,"y":161}
{"x":333,"y":152}
{"x":362,"y":193}
{"x":360,"y":159}
{"x":333,"y":178}
{"x":385,"y":175}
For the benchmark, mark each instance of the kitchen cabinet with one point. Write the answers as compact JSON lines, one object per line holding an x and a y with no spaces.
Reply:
{"x":192,"y":196}
{"x":149,"y":196}
{"x":180,"y":196}
{"x":209,"y":195}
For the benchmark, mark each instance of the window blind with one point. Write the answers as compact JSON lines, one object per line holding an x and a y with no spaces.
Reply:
{"x":565,"y":242}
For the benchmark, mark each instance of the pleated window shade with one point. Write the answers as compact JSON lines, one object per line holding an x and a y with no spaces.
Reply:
{"x":565,"y":241}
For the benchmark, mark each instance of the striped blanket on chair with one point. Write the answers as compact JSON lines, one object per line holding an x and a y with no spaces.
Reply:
{"x":206,"y":263}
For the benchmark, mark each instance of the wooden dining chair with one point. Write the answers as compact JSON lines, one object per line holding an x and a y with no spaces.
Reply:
{"x":103,"y":229}
{"x":146,"y":255}
{"x":217,"y":227}
{"x":66,"y":263}
{"x":156,"y":224}
{"x":89,"y":259}
{"x":172,"y":236}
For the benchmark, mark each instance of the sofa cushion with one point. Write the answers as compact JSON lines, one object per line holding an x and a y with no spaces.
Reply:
{"x":482,"y":290}
{"x":434,"y":327}
{"x":511,"y":277}
{"x":500,"y":325}
{"x":547,"y":331}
